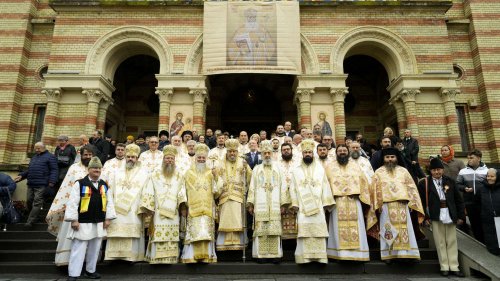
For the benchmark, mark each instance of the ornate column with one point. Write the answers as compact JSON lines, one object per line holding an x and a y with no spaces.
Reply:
{"x":408,"y":98}
{"x":50,"y":121}
{"x":200,"y":99}
{"x":400,"y":113}
{"x":338,"y":97}
{"x":303,"y":96}
{"x":103,"y":109}
{"x":165,"y":96}
{"x":94,"y":96}
{"x":448,"y":96}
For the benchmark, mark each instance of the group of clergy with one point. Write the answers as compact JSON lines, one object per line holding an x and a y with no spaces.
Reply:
{"x":192,"y":213}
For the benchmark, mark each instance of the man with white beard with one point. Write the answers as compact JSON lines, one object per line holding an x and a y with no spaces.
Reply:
{"x":201,"y":189}
{"x":363,"y":162}
{"x":182,"y":161}
{"x":55,"y":217}
{"x":126,"y":234}
{"x":164,"y":196}
{"x":267,"y":198}
{"x":190,"y":145}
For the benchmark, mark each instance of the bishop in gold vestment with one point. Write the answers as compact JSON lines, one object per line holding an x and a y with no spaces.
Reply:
{"x":235,"y":175}
{"x":163,"y":196}
{"x":267,"y":198}
{"x":347,"y":240}
{"x":393,"y":194}
{"x":310,"y":193}
{"x":202,"y":189}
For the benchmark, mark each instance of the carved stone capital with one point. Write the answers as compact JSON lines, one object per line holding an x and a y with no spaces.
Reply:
{"x":338,"y":94}
{"x":408,"y":95}
{"x":105,"y":103}
{"x":199,"y":94}
{"x":93,"y":95}
{"x":165,"y":94}
{"x":449,"y":94}
{"x":53,"y":95}
{"x":304,"y":94}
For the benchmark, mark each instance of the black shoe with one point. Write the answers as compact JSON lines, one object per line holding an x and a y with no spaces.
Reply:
{"x":28,"y":226}
{"x":94,"y":275}
{"x":71,"y":278}
{"x":445,"y":273}
{"x":458,"y":273}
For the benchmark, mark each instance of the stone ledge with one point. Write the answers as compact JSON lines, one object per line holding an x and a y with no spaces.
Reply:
{"x":473,"y":255}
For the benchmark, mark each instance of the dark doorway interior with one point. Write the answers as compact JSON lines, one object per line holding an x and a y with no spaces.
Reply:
{"x":250,"y":102}
{"x":366,"y":106}
{"x":136,"y":106}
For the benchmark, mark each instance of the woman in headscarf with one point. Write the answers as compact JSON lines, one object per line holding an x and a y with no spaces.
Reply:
{"x":489,"y":197}
{"x":451,"y":165}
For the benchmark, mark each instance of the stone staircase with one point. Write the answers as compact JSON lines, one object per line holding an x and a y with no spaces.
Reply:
{"x":34,"y":251}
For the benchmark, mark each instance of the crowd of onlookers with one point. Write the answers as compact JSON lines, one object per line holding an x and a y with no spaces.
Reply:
{"x":477,"y":185}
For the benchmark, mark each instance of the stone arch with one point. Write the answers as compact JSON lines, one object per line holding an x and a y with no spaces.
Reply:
{"x":193,"y":64}
{"x":380,"y":43}
{"x":123,"y":42}
{"x":194,"y":58}
{"x":308,"y":56}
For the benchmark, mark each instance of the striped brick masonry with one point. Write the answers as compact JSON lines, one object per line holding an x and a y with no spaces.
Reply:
{"x":303,"y":98}
{"x":165,"y":96}
{"x":338,"y":97}
{"x":200,"y":98}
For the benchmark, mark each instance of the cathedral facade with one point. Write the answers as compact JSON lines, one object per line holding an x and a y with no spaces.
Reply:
{"x":138,"y":67}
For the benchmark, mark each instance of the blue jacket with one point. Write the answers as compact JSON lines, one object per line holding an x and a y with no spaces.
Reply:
{"x":42,"y":170}
{"x":6,"y":182}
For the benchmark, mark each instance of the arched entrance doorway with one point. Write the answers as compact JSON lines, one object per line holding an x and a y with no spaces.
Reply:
{"x":367,"y":109}
{"x":250,"y":102}
{"x":136,"y":106}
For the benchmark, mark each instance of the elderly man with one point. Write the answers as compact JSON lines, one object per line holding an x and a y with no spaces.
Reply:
{"x":310,"y":193}
{"x":364,"y":163}
{"x":347,"y":240}
{"x":235,"y":175}
{"x":445,"y":209}
{"x":126,"y":234}
{"x":90,"y":210}
{"x":217,"y":153}
{"x":55,"y":217}
{"x":182,"y":160}
{"x":164,"y":196}
{"x":151,"y":159}
{"x":190,"y":145}
{"x":42,"y":173}
{"x":201,"y":189}
{"x":267,"y":197}
{"x":393,"y":194}
{"x":65,"y":154}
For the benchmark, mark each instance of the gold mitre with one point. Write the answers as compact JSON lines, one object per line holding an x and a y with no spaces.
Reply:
{"x":232,"y":144}
{"x":170,"y":150}
{"x":266,"y":146}
{"x":132,"y":150}
{"x":200,"y":149}
{"x":307,"y":145}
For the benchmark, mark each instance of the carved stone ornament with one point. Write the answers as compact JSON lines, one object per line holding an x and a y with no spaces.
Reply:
{"x":449,"y":94}
{"x":93,"y":95}
{"x":408,"y":95}
{"x":53,"y":95}
{"x":338,"y":94}
{"x":304,"y":94}
{"x":199,"y":95}
{"x":165,"y":95}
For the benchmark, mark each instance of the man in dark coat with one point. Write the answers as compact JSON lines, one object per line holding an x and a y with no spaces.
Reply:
{"x":444,"y":207}
{"x":7,"y":186}
{"x":411,"y":150}
{"x":65,"y":154}
{"x":253,"y":157}
{"x":101,"y":145}
{"x":42,"y":173}
{"x":489,"y":196}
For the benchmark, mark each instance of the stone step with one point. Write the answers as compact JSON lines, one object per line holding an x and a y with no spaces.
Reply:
{"x":19,"y":227}
{"x":250,"y":267}
{"x":16,"y":235}
{"x":26,"y":244}
{"x":27,"y":255}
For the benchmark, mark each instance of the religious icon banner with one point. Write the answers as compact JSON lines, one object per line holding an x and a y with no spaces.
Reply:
{"x":251,"y":37}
